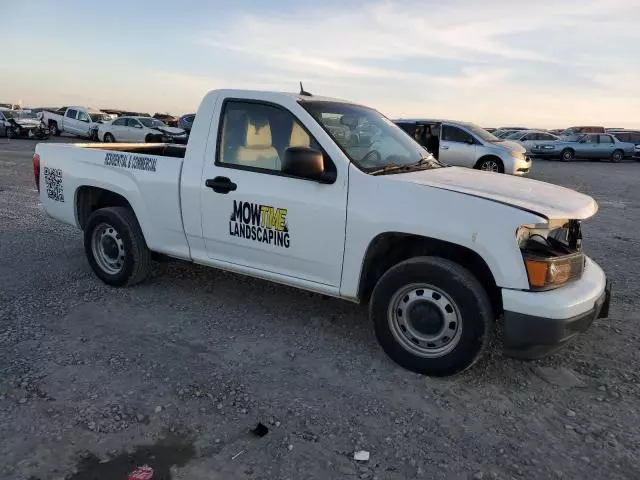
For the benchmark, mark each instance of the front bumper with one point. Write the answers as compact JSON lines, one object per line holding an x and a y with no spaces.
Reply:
{"x":554,"y":317}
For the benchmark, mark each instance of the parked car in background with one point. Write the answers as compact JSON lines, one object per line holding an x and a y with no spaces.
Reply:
{"x":530,"y":138}
{"x":596,"y":146}
{"x":185,"y":122}
{"x":630,"y":136}
{"x":21,"y":124}
{"x":139,"y":130}
{"x":504,"y":133}
{"x":167,"y":119}
{"x":574,"y":133}
{"x":557,"y":131}
{"x":79,"y":121}
{"x":467,"y":145}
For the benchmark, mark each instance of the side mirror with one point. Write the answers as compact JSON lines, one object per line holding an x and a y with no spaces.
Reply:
{"x":306,"y":163}
{"x":137,"y":126}
{"x":469,"y":141}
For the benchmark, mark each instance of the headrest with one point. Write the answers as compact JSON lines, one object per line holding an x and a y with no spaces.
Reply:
{"x":258,"y":133}
{"x":299,"y":138}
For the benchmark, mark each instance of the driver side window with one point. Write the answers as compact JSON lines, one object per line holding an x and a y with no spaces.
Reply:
{"x":120,"y":122}
{"x":256,"y":135}
{"x":83,"y":117}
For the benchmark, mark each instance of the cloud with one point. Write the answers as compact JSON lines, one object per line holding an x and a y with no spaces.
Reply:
{"x":348,"y":49}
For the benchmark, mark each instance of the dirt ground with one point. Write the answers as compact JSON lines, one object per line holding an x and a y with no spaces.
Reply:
{"x":174,"y":373}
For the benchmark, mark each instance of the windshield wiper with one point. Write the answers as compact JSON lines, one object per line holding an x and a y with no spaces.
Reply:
{"x":428,"y":162}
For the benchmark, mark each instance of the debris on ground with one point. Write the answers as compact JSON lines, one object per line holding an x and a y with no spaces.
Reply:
{"x":361,"y":456}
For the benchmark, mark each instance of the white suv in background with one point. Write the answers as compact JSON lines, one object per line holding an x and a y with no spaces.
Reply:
{"x":468,"y":145}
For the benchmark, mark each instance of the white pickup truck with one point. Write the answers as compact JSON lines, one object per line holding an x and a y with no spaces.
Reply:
{"x":264,"y":189}
{"x":79,"y":121}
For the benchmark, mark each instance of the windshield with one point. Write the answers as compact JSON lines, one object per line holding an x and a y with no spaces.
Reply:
{"x":481,"y":133}
{"x":514,"y":136}
{"x":151,"y":122}
{"x":99,"y":117}
{"x":9,"y":113}
{"x":370,"y":140}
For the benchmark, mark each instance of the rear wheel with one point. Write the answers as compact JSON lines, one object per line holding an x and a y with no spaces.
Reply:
{"x":567,"y":155}
{"x":431,"y":316}
{"x":108,"y":138}
{"x":617,"y":156}
{"x":115,"y":247}
{"x":491,"y":165}
{"x":55,"y":131}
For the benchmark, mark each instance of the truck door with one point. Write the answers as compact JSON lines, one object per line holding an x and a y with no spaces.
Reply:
{"x":457,"y":147}
{"x":257,"y":218}
{"x":83,"y":123}
{"x":69,"y":121}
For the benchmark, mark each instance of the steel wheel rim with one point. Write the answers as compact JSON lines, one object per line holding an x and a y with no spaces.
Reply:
{"x":489,"y":166}
{"x":617,"y":156}
{"x":566,"y":155}
{"x":407,"y":325}
{"x":108,"y":248}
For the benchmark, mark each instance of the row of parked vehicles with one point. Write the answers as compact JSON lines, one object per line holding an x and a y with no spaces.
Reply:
{"x":104,"y":125}
{"x":589,"y":142}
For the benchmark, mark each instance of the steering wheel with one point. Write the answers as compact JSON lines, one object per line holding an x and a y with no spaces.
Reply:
{"x":372,"y":153}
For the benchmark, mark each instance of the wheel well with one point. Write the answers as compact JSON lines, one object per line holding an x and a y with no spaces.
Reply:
{"x":487,"y":157}
{"x":389,"y":249}
{"x":90,"y":199}
{"x":568,"y":148}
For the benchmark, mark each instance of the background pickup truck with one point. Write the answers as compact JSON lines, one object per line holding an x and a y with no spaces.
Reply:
{"x":79,"y":121}
{"x":264,"y":188}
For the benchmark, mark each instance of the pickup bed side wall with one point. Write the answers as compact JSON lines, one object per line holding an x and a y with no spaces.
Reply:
{"x":485,"y":227}
{"x":151,"y":189}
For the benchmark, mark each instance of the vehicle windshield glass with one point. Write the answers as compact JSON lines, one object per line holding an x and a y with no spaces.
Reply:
{"x":514,"y":136}
{"x":480,"y":132}
{"x":151,"y":122}
{"x":99,"y":117}
{"x":9,"y":113}
{"x":370,"y":140}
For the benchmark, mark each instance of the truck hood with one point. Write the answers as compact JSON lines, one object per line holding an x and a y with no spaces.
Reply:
{"x":544,"y":199}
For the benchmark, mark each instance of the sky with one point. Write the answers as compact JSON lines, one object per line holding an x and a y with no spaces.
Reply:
{"x":548,"y":63}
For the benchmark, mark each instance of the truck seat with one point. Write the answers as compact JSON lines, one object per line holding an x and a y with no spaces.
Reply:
{"x":258,"y":150}
{"x":299,"y":138}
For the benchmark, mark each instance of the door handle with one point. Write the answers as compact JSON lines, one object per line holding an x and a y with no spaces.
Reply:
{"x":220,"y":184}
{"x":444,"y":147}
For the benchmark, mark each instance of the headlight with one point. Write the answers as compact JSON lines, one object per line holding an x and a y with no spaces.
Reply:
{"x":515,"y":154}
{"x":552,"y":272}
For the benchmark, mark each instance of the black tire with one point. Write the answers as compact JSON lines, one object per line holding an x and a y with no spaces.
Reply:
{"x":617,"y":156}
{"x":567,"y":155}
{"x":470,"y":303}
{"x":53,"y":127}
{"x":149,"y":138}
{"x":11,"y":133}
{"x":108,"y":138}
{"x":491,"y":164}
{"x":136,"y":257}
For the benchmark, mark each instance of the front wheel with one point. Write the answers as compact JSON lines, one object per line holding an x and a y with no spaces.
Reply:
{"x":491,"y":165}
{"x":116,"y":248}
{"x":108,"y":138}
{"x":431,"y":316}
{"x":617,"y":156}
{"x":567,"y":155}
{"x":11,"y":133}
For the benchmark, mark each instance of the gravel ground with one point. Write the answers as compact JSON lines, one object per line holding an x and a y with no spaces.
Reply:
{"x":176,"y":371}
